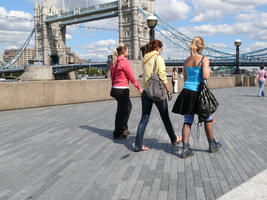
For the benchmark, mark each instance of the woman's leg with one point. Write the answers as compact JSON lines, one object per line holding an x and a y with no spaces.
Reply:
{"x":262,"y":93}
{"x":118,"y":117}
{"x":261,"y":86}
{"x":164,"y":113}
{"x":146,"y":110}
{"x":213,"y":145}
{"x":127,"y":108}
{"x":175,"y":86}
{"x":188,"y":120}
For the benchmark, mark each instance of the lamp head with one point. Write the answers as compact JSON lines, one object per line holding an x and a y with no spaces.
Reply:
{"x":151,"y":21}
{"x":237,"y":43}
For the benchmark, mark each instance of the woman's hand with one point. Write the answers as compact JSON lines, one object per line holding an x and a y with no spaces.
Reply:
{"x":141,"y":91}
{"x":169,"y":95}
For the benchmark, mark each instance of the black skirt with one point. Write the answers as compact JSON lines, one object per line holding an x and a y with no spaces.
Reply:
{"x":186,"y":102}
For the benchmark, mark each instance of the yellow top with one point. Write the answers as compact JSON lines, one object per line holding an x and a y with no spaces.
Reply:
{"x":149,"y":60}
{"x":174,"y":75}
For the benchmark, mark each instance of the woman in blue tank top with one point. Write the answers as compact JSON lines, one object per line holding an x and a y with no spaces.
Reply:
{"x":195,"y":70}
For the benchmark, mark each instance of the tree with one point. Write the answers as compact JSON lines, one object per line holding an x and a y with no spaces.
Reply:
{"x":92,"y":72}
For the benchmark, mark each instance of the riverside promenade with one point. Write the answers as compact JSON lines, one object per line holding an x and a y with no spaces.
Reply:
{"x":67,"y":152}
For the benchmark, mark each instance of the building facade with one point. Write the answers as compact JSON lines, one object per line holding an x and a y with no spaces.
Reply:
{"x":29,"y":54}
{"x":23,"y":60}
{"x":133,"y":30}
{"x":50,"y":39}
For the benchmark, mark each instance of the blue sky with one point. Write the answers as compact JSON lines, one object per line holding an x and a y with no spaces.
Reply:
{"x":219,"y":22}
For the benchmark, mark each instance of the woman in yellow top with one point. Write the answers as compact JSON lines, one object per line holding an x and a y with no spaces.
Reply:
{"x":153,"y":50}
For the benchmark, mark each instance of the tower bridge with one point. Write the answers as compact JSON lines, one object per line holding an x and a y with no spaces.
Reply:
{"x":50,"y":24}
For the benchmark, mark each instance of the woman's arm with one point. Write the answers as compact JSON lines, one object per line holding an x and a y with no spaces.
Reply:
{"x":184,"y":73}
{"x":130,"y":76}
{"x":162,"y":74}
{"x":206,"y":68}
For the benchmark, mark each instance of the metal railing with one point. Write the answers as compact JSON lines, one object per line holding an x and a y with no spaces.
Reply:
{"x":92,"y":10}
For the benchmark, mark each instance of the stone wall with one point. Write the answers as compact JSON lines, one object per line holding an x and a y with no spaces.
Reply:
{"x":27,"y":94}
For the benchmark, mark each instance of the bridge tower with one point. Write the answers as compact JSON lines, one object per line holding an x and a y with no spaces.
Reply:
{"x":132,"y":25}
{"x":50,"y":39}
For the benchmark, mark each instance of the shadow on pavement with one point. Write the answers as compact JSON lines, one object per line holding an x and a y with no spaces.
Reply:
{"x":128,"y":142}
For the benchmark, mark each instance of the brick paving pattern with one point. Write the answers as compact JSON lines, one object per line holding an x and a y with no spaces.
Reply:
{"x":67,"y":152}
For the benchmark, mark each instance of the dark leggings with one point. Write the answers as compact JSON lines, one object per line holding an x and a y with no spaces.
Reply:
{"x":124,"y":107}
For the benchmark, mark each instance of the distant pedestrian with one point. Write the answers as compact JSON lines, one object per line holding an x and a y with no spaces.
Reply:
{"x":121,"y":73}
{"x":153,"y":50}
{"x":175,"y":80}
{"x":261,"y":76}
{"x":195,"y":70}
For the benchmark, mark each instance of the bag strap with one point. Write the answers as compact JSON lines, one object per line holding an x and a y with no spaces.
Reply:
{"x":155,"y":64}
{"x":201,"y":61}
{"x":114,"y":77}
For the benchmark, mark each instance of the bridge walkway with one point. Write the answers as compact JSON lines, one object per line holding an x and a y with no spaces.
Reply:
{"x":67,"y":152}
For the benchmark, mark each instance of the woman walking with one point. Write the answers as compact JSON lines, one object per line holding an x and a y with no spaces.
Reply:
{"x":153,"y":50}
{"x":195,"y":70}
{"x":121,"y":73}
{"x":261,"y":75}
{"x":175,"y":80}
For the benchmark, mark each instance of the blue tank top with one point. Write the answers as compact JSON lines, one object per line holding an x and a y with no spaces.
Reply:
{"x":193,"y":77}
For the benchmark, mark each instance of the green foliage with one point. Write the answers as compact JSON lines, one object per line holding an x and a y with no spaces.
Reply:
{"x":104,"y":72}
{"x":244,"y":71}
{"x":92,"y":72}
{"x":80,"y":72}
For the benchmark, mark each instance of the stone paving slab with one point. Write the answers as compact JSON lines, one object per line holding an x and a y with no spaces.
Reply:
{"x":254,"y":188}
{"x":67,"y":152}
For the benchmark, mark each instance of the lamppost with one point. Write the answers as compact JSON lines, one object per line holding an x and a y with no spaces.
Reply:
{"x":237,"y":44}
{"x":151,"y":23}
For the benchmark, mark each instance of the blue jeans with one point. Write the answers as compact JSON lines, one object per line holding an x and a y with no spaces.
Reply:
{"x":261,"y":91}
{"x":189,"y":119}
{"x":162,"y":106}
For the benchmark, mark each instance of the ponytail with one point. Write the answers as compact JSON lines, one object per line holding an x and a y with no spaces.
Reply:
{"x":114,"y":57}
{"x":153,"y":45}
{"x":197,"y":45}
{"x":121,"y":49}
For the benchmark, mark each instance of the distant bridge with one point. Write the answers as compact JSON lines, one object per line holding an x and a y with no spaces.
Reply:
{"x":59,"y":69}
{"x":132,"y":16}
{"x":219,"y":63}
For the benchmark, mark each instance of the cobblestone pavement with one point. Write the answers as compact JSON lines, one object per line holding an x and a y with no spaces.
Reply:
{"x":67,"y":152}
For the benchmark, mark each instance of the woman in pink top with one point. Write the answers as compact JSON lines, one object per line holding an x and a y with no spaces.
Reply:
{"x":261,"y":74}
{"x":121,"y":73}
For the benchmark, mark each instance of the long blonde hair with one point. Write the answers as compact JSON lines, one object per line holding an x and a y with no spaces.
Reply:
{"x":197,"y":45}
{"x":121,"y":49}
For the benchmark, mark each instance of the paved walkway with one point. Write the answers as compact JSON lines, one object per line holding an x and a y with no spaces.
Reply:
{"x":67,"y":153}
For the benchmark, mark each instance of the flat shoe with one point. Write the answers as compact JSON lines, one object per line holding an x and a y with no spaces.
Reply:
{"x":142,"y":149}
{"x":179,"y":139}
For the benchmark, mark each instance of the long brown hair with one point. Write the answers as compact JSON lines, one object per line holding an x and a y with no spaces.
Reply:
{"x":121,"y":49}
{"x":152,"y":45}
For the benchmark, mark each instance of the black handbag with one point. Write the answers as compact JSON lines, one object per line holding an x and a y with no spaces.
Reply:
{"x":206,"y":104}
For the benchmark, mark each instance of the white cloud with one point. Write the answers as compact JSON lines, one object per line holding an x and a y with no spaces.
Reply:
{"x":209,"y":10}
{"x":218,"y":46}
{"x":247,"y":2}
{"x":14,"y":32}
{"x":257,"y":45}
{"x":173,"y":10}
{"x":98,"y":51}
{"x":68,"y":37}
{"x":252,"y":29}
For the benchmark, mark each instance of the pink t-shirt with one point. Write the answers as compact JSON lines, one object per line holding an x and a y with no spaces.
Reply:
{"x":261,"y":74}
{"x":124,"y":74}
